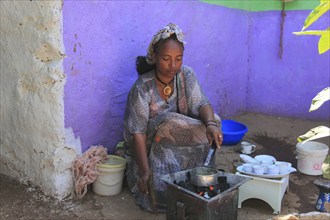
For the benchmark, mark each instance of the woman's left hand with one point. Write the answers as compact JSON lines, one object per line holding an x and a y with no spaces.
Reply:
{"x":214,"y":133}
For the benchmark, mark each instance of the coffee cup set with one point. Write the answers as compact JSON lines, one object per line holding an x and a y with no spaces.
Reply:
{"x":265,"y":165}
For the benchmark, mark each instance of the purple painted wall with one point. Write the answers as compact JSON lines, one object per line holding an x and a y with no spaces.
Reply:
{"x":102,"y":39}
{"x":286,"y":86}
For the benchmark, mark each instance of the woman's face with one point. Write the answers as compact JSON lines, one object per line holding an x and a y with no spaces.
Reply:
{"x":169,"y":58}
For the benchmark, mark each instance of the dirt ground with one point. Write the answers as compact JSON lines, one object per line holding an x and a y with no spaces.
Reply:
{"x":275,"y":136}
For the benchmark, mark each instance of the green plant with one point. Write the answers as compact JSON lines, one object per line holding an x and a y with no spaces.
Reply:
{"x":323,"y":46}
{"x":320,"y":131}
{"x":321,"y":9}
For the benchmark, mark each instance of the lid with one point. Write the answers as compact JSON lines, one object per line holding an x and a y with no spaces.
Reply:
{"x":113,"y":162}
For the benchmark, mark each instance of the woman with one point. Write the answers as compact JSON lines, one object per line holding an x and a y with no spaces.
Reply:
{"x":169,"y":123}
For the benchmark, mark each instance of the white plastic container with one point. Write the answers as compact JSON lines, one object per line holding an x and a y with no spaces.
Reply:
{"x":110,"y":180}
{"x":310,"y":156}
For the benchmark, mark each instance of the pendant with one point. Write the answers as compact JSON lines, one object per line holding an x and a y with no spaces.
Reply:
{"x":167,"y":90}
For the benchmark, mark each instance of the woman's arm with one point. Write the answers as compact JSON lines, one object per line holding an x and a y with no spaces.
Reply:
{"x":141,"y":157}
{"x":213,"y":132}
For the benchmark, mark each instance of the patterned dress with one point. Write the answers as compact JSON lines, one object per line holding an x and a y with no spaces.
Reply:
{"x":176,"y":138}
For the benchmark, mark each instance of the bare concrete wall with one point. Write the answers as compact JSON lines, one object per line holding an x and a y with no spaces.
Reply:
{"x":34,"y":142}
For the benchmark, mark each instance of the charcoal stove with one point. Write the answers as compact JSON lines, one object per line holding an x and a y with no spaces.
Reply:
{"x":185,"y":203}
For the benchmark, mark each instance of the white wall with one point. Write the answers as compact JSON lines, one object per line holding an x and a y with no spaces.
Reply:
{"x":34,"y":142}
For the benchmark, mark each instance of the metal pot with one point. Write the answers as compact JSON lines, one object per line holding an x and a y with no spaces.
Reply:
{"x":204,"y":176}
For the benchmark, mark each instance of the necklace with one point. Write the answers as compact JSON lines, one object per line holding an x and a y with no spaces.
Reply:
{"x":167,"y":90}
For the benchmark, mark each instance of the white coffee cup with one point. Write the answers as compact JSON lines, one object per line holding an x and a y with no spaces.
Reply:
{"x":265,"y":166}
{"x":248,"y":168}
{"x":247,"y":148}
{"x":273,"y":169}
{"x":284,"y":167}
{"x":258,"y":169}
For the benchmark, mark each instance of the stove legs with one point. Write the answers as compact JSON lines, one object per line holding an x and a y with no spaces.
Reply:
{"x":181,"y":211}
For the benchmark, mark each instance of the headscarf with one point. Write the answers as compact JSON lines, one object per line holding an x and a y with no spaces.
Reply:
{"x":164,"y":33}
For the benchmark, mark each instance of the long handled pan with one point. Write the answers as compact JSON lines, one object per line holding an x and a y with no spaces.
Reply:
{"x":205,"y":176}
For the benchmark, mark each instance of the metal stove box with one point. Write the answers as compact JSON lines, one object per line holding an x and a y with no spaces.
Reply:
{"x":188,"y":205}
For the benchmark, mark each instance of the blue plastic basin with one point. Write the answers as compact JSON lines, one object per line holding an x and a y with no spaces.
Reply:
{"x":233,"y":132}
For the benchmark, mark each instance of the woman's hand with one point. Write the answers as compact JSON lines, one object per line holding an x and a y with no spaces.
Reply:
{"x":213,"y":133}
{"x":140,"y":148}
{"x":142,"y":182}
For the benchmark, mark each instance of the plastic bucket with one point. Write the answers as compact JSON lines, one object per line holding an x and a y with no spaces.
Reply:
{"x":310,"y":156}
{"x":110,"y":180}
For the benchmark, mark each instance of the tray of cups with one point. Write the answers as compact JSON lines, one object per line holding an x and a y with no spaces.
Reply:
{"x":277,"y":170}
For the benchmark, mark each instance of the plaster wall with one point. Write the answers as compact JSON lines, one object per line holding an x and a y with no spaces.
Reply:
{"x":35,"y":146}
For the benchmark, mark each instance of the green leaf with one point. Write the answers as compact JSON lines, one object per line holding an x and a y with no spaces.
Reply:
{"x":315,"y":133}
{"x":316,"y":13}
{"x":320,"y":98}
{"x":309,"y":32}
{"x":324,"y":42}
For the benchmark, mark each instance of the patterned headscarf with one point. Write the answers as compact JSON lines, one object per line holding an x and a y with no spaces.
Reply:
{"x":164,"y":33}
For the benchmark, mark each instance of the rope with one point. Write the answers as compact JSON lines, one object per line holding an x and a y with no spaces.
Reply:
{"x":85,"y":168}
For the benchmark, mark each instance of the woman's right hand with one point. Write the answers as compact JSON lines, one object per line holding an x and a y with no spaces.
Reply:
{"x":142,"y":182}
{"x":213,"y":133}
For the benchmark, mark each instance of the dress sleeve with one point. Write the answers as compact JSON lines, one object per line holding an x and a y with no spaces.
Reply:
{"x":195,"y":95}
{"x":137,"y":110}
